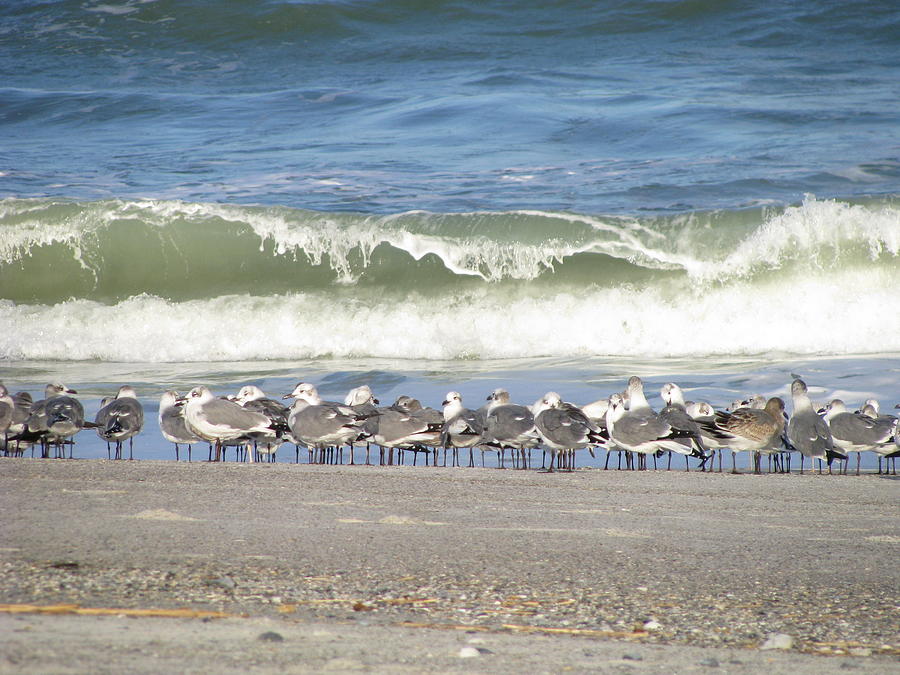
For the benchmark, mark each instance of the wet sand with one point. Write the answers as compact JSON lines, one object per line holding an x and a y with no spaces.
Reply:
{"x":399,"y":568}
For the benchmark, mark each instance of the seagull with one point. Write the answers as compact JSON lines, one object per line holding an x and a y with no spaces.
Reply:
{"x":699,"y":410}
{"x":596,"y":411}
{"x":219,"y":421}
{"x":808,"y":432}
{"x":120,"y":419}
{"x":433,"y":418}
{"x":7,"y":407}
{"x":565,"y":428}
{"x":172,"y":423}
{"x":857,"y":433}
{"x":362,"y":400}
{"x":36,"y":424}
{"x":463,"y":428}
{"x":320,"y":424}
{"x":752,"y":429}
{"x":675,"y":415}
{"x":755,"y":401}
{"x":412,"y":406}
{"x":250,"y":397}
{"x":404,"y":431}
{"x":18,"y":432}
{"x":362,"y":397}
{"x":508,"y":425}
{"x":891,"y":455}
{"x":640,"y":430}
{"x":55,"y":418}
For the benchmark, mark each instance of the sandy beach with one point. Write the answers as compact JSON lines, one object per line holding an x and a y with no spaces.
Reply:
{"x":411,"y":569}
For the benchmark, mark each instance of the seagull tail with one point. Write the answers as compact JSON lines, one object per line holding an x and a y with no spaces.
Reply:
{"x":280,"y":427}
{"x":712,"y":429}
{"x":113,"y":426}
{"x":831,"y":455}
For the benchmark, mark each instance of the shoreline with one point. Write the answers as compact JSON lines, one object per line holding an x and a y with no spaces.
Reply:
{"x":686,"y":560}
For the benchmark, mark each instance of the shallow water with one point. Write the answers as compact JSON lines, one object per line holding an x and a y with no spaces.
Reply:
{"x":719,"y":381}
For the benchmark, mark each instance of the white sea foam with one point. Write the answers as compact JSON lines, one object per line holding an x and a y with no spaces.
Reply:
{"x":817,"y":234}
{"x":816,"y":315}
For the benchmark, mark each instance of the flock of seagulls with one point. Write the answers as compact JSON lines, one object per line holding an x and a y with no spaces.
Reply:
{"x":257,"y":426}
{"x":53,"y":421}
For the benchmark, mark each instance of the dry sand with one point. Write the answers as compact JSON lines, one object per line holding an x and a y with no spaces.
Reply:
{"x":398,"y":569}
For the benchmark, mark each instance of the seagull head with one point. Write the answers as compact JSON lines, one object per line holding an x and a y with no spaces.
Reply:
{"x":126,"y":391}
{"x":57,"y":388}
{"x":671,"y":393}
{"x":452,"y":398}
{"x":307,"y":392}
{"x":499,"y":396}
{"x":200,"y":393}
{"x":249,"y":392}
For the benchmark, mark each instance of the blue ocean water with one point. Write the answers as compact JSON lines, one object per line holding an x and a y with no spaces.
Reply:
{"x":359,"y":187}
{"x":390,"y":106}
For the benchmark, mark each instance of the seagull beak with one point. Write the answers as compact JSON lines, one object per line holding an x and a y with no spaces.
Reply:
{"x":445,"y":403}
{"x":287,"y":396}
{"x":375,"y":401}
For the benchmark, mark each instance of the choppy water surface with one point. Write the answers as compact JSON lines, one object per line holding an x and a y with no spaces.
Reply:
{"x":449,"y":195}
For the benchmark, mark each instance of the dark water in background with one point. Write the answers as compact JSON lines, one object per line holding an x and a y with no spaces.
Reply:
{"x":388,"y":106}
{"x":450,"y":195}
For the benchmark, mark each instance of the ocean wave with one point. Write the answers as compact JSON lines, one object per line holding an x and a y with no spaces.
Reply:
{"x":52,"y":250}
{"x":829,"y":313}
